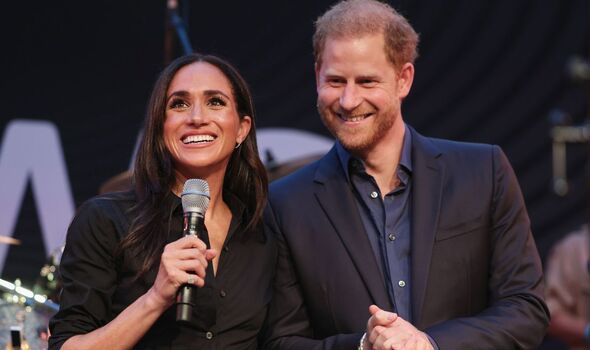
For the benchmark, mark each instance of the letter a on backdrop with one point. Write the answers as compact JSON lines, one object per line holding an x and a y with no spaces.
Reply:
{"x":31,"y":150}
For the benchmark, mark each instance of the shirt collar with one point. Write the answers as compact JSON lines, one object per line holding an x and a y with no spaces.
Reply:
{"x":347,"y":160}
{"x":236,"y":206}
{"x":406,"y":157}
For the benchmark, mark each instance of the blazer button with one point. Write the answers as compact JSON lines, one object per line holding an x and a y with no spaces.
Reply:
{"x":209,"y":335}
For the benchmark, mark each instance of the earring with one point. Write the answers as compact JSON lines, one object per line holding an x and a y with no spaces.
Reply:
{"x":238,"y":144}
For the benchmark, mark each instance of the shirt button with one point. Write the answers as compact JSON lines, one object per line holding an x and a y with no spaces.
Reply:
{"x":391,"y":237}
{"x":209,"y":335}
{"x":222,"y":293}
{"x":401,"y":283}
{"x":374,"y":194}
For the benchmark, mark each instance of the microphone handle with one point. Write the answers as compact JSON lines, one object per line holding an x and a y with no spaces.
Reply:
{"x":193,"y":225}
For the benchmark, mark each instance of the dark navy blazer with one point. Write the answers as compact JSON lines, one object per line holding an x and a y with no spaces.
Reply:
{"x":475,"y":272}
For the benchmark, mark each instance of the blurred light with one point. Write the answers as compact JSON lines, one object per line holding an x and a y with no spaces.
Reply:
{"x":40,"y":298}
{"x":6,"y":284}
{"x":26,"y":292}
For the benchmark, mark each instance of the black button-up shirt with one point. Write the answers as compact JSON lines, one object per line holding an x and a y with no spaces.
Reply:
{"x":387,"y":222}
{"x":230,"y":310}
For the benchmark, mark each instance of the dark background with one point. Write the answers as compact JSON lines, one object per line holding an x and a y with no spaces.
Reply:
{"x":489,"y":71}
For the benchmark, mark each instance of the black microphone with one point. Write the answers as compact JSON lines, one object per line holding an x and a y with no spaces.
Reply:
{"x":195,"y":200}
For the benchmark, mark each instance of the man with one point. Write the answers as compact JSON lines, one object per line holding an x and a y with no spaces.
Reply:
{"x":428,"y":239}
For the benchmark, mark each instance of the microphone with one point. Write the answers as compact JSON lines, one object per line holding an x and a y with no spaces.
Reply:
{"x":195,"y":200}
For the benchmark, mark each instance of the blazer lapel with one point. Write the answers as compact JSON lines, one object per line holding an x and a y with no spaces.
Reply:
{"x":427,"y":182}
{"x":337,"y":200}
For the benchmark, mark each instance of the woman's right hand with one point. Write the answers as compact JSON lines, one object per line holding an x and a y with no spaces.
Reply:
{"x":185,"y":257}
{"x":182,"y":261}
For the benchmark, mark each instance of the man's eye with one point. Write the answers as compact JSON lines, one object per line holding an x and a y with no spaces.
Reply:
{"x":177,"y":104}
{"x":367,"y":82}
{"x":217,"y":102}
{"x":335,"y":81}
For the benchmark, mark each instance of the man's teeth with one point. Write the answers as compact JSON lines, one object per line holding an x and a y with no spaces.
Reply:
{"x":198,"y":139}
{"x":355,"y":118}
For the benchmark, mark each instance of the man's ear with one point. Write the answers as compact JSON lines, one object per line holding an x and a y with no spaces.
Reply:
{"x":317,"y":68}
{"x":405,"y":78}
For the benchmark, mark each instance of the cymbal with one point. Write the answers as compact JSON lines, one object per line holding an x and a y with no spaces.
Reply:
{"x":9,"y":240}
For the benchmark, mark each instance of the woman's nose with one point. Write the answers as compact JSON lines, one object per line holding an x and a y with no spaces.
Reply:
{"x":197,"y":115}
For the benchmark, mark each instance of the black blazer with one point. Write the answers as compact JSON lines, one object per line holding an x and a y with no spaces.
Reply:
{"x":476,"y":278}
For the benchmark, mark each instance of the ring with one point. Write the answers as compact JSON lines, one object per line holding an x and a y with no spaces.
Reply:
{"x":191,"y":279}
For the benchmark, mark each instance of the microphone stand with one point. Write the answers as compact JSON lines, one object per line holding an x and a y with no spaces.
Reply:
{"x":179,"y":25}
{"x":561,"y":133}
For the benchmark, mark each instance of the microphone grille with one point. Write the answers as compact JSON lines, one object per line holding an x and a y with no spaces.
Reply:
{"x":195,"y":196}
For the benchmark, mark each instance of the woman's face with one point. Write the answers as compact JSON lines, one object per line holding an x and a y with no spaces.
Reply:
{"x":202,"y":125}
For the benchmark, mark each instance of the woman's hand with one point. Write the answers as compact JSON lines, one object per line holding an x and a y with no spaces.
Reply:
{"x":183,"y":261}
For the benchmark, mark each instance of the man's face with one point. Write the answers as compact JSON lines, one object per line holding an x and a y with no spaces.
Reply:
{"x":360,"y":91}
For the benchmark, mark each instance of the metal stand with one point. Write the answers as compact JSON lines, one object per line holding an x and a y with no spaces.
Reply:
{"x":175,"y":23}
{"x":578,"y":70}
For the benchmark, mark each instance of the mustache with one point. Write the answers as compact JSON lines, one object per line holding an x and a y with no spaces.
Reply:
{"x":360,"y":111}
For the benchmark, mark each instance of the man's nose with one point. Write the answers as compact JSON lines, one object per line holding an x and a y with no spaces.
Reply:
{"x":350,"y":98}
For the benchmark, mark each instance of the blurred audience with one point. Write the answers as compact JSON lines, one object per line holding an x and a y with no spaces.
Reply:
{"x":568,"y":289}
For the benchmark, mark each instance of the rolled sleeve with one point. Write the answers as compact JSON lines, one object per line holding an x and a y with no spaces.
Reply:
{"x":88,"y":274}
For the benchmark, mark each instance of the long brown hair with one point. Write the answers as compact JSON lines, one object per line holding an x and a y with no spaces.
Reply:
{"x":153,"y":175}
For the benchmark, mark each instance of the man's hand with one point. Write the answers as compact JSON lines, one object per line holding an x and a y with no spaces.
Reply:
{"x":379,"y":318}
{"x":385,"y":330}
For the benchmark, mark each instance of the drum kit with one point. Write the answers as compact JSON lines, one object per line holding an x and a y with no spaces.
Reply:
{"x":25,"y":313}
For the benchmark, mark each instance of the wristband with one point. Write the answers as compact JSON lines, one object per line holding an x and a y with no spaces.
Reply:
{"x":362,"y":342}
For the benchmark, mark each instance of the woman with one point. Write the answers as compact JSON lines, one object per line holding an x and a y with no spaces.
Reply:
{"x":125,"y":255}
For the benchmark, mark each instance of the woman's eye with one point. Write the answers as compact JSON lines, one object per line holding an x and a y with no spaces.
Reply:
{"x":216,"y":102}
{"x":176,"y":104}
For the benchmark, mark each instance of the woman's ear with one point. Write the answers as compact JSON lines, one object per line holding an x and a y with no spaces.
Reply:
{"x":245,"y":125}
